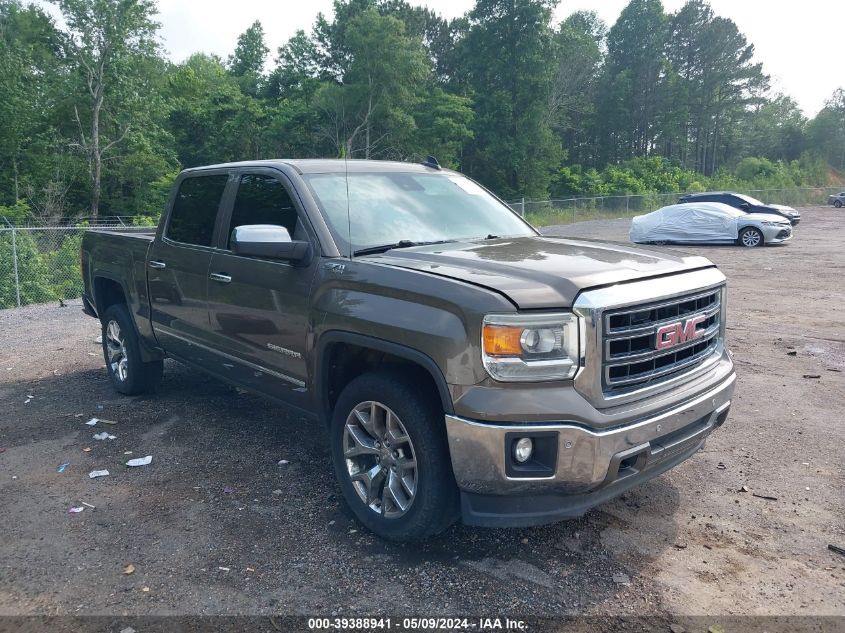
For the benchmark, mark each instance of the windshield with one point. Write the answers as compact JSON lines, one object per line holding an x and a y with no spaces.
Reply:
{"x":749,"y":199}
{"x":390,"y":207}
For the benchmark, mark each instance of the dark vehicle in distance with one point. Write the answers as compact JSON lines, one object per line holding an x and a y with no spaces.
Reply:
{"x":463,"y":364}
{"x":743,"y":203}
{"x":837,"y":199}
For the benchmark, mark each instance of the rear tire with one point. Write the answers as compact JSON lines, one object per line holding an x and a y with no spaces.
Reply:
{"x":383,"y":423}
{"x":837,"y":204}
{"x":128,"y":373}
{"x":750,"y":237}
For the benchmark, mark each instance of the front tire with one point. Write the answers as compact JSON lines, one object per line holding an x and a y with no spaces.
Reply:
{"x":391,"y":457}
{"x":751,"y":237}
{"x":128,"y":373}
{"x":837,"y":204}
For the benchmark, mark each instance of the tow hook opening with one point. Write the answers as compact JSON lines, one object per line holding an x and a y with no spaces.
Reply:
{"x":629,"y":463}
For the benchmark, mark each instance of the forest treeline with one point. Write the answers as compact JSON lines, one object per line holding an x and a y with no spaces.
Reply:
{"x":95,"y":120}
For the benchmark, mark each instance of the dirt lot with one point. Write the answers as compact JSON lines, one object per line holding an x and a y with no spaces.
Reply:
{"x":215,"y":525}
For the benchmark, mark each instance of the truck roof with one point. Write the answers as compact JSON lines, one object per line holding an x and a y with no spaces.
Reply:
{"x":328,"y":165}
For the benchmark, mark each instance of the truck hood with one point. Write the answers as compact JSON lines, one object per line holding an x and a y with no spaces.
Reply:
{"x":540,"y":272}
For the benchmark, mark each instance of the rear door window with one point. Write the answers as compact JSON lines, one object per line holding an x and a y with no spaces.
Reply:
{"x":263,"y":199}
{"x":195,"y":209}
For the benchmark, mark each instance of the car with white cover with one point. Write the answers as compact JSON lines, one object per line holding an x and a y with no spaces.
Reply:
{"x":743,"y":203}
{"x":709,"y":223}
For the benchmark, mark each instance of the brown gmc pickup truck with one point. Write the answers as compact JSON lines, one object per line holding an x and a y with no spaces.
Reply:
{"x":464,"y":365}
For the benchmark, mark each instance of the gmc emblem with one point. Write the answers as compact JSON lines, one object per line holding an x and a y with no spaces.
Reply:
{"x":676,"y":333}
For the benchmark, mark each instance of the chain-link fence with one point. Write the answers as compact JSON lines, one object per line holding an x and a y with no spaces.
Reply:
{"x":40,"y":264}
{"x":569,"y":210}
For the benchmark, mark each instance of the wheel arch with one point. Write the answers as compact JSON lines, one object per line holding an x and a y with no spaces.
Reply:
{"x":336,"y":344}
{"x":108,"y":291}
{"x":745,"y":227}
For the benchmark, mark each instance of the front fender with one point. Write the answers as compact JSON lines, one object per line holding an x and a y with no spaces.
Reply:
{"x":432,"y":320}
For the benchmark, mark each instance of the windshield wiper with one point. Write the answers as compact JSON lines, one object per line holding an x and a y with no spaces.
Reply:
{"x":371,"y":250}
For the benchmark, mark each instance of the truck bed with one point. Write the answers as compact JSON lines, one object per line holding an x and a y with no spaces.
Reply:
{"x":120,"y":258}
{"x":145,"y":234}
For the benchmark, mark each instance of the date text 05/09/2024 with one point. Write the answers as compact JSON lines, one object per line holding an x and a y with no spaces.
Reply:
{"x":417,"y":623}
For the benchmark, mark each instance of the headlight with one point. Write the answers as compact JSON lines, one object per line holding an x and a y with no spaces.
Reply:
{"x":770,"y":223}
{"x":519,"y":347}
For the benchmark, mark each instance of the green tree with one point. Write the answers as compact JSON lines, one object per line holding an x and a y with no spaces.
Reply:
{"x":247,"y":63}
{"x":578,"y":53}
{"x":298,"y":68}
{"x":714,"y":81}
{"x":630,"y":87}
{"x":29,"y":76}
{"x":369,"y":113}
{"x":210,"y":118}
{"x":443,"y":124}
{"x":107,"y":40}
{"x":63,"y":264}
{"x":437,"y":35}
{"x":826,"y":131}
{"x":33,"y":271}
{"x":774,"y":128}
{"x":508,"y":58}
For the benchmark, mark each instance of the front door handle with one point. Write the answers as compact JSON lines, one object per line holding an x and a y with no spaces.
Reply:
{"x":223,"y":279}
{"x":154,"y":264}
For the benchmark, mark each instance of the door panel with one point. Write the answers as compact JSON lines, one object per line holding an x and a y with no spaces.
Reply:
{"x":258,"y":307}
{"x":259,"y":321}
{"x":177,"y":267}
{"x":178,"y":298}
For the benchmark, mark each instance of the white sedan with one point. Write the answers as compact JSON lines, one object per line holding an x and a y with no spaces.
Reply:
{"x":709,"y":223}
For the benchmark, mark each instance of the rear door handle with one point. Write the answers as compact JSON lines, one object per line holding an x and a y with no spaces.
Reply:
{"x":154,"y":264}
{"x":223,"y":279}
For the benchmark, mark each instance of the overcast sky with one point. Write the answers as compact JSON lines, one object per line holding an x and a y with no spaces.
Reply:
{"x":799,"y":43}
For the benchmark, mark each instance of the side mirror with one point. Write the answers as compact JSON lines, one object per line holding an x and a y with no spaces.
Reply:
{"x":744,"y":205}
{"x":269,"y":241}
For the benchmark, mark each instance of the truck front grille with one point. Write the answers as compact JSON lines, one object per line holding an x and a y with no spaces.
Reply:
{"x":631,"y":359}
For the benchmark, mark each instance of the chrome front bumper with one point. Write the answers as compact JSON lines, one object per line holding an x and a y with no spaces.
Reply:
{"x":587,"y":460}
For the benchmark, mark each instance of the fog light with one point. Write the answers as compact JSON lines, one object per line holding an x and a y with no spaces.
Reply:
{"x":522,"y":449}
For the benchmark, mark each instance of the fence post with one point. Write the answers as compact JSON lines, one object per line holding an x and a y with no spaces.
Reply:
{"x":15,"y":260}
{"x":523,"y":206}
{"x":627,"y":198}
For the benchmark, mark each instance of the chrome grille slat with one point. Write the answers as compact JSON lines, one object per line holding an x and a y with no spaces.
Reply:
{"x":617,"y":334}
{"x":624,"y":359}
{"x":630,"y":360}
{"x":649,"y":376}
{"x":666,"y":302}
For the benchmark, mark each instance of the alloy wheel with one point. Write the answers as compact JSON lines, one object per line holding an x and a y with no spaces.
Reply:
{"x":116,"y":349}
{"x":380,"y":459}
{"x":750,"y":238}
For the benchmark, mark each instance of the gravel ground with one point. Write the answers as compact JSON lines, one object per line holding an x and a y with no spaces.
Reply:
{"x":217,"y":526}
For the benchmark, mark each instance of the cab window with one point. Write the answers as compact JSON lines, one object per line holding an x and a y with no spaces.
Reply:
{"x":263,"y":200}
{"x":195,"y":209}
